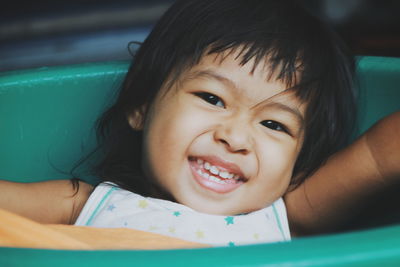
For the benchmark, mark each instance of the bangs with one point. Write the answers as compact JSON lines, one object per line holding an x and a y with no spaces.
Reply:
{"x":278,"y":34}
{"x":284,"y":66}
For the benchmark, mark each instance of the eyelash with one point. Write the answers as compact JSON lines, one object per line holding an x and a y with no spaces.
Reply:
{"x":210,"y":98}
{"x":213,"y":100}
{"x":274,"y":125}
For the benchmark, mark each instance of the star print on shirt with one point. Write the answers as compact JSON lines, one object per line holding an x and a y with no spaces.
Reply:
{"x":177,"y":213}
{"x":200,"y":234}
{"x":256,"y":236}
{"x":229,"y":220}
{"x":111,"y":207}
{"x":143,"y":204}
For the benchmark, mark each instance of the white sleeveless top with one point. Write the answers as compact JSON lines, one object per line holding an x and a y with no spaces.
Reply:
{"x":111,"y":207}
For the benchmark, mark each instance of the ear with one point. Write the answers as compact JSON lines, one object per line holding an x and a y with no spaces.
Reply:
{"x":137,"y":117}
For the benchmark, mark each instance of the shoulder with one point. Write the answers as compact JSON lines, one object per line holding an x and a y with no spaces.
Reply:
{"x":81,"y":192}
{"x":68,"y":197}
{"x":50,"y":202}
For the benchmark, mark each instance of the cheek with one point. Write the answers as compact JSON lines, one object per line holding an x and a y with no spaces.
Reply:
{"x":276,"y":162}
{"x":159,"y":143}
{"x":156,"y":139}
{"x":168,"y":135}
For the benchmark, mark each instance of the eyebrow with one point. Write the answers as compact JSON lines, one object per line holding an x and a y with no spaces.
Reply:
{"x":292,"y":110}
{"x":210,"y":74}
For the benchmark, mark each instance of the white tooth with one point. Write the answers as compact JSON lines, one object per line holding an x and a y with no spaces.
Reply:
{"x":230,"y":175}
{"x":207,"y":166}
{"x":217,"y":180}
{"x":224,"y":175}
{"x":206,"y":175}
{"x":213,"y":178}
{"x":200,"y":161}
{"x":214,"y":170}
{"x":200,"y":172}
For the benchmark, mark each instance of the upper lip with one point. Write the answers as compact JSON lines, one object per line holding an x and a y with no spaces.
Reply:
{"x":223,"y":165}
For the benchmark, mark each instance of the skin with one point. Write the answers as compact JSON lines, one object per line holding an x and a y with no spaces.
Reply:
{"x":235,"y":119}
{"x":238,"y":118}
{"x":332,"y":196}
{"x":351,"y":180}
{"x":54,"y":202}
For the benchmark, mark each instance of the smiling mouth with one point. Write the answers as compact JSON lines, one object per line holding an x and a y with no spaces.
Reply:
{"x":214,"y":177}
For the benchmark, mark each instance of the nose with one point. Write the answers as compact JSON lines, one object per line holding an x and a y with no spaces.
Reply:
{"x":234,"y":135}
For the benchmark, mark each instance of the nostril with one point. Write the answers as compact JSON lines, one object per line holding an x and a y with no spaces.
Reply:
{"x":234,"y":148}
{"x":224,"y":142}
{"x":243,"y":151}
{"x":234,"y":138}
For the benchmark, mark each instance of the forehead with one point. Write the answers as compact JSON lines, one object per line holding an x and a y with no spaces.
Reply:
{"x":249,"y":80}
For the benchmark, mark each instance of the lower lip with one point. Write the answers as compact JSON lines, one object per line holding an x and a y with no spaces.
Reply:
{"x":211,"y":185}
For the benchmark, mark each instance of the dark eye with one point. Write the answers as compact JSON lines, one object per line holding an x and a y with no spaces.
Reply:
{"x":210,"y":98}
{"x":274,"y":125}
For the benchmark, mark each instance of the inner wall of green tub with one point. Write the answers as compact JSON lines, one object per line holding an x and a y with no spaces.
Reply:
{"x":48,"y":114}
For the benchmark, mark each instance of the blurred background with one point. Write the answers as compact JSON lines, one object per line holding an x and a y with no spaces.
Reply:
{"x":59,"y":32}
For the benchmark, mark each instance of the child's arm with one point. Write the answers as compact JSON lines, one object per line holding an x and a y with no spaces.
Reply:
{"x":55,"y":202}
{"x":349,"y":179}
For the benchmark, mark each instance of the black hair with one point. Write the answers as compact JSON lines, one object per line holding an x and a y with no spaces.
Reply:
{"x":302,"y":51}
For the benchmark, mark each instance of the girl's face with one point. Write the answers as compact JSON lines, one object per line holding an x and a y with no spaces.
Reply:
{"x":224,"y":139}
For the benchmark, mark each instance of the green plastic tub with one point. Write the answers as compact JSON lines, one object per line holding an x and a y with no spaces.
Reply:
{"x":46,"y":124}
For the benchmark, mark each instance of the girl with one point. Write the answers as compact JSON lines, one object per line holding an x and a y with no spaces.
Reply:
{"x":227,"y":106}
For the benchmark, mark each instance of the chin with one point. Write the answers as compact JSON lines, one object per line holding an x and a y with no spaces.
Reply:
{"x":226,"y":211}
